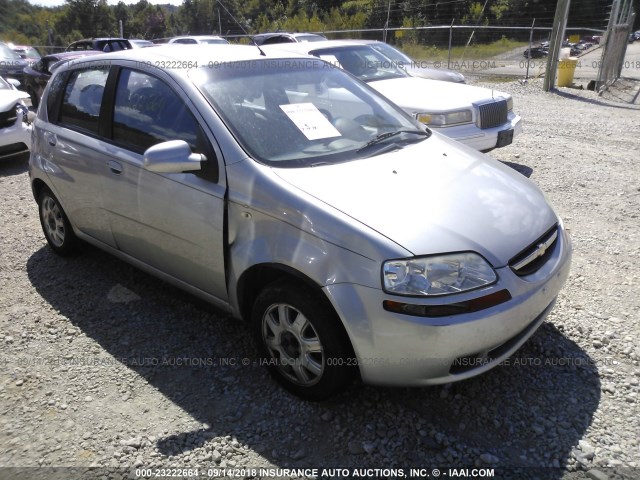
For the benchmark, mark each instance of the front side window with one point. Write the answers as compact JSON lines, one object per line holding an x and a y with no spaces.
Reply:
{"x":82,"y":99}
{"x":147,"y":111}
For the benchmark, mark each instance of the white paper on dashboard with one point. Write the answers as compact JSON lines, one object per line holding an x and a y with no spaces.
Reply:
{"x":310,"y":121}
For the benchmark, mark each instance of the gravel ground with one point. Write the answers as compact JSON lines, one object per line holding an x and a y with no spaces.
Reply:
{"x":104,"y":366}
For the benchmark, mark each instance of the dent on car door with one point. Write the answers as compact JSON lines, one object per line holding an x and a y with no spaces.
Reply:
{"x":172,"y":222}
{"x":70,"y":143}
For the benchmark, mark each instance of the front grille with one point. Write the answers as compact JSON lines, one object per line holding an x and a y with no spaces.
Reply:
{"x":7,"y":119}
{"x":492,"y":114}
{"x":532,"y":258}
{"x":482,"y":359}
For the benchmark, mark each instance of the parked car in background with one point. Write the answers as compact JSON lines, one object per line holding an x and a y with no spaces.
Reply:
{"x":286,"y":37}
{"x":11,"y":65}
{"x":36,"y":76}
{"x":198,"y":39}
{"x":290,"y":194}
{"x":415,"y":68}
{"x":536,"y":52}
{"x":139,"y":43}
{"x":573,"y":50}
{"x":479,"y":117}
{"x":100,"y":44}
{"x":15,"y":131}
{"x":30,"y":54}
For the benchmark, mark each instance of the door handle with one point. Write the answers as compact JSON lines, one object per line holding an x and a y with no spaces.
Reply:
{"x":115,"y":167}
{"x":51,"y":138}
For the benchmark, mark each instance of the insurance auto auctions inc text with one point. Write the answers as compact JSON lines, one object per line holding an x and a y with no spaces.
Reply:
{"x":348,"y":473}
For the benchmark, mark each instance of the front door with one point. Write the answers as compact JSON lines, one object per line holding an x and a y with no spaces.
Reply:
{"x":172,"y":222}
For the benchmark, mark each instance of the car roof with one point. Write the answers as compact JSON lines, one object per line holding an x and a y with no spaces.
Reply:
{"x":98,"y":38}
{"x":307,"y":47}
{"x":197,"y":37}
{"x":71,"y":55}
{"x":268,"y":35}
{"x":212,"y":55}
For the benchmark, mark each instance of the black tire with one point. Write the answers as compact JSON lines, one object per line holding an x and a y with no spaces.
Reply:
{"x":55,"y":224}
{"x":326,"y":367}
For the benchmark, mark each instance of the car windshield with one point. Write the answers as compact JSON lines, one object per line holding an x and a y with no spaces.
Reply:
{"x":302,"y":112}
{"x":4,"y":85}
{"x":362,"y":61}
{"x":29,"y":52}
{"x":6,"y":52}
{"x":392,"y":53}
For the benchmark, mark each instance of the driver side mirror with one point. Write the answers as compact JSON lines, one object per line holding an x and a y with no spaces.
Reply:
{"x":173,"y":156}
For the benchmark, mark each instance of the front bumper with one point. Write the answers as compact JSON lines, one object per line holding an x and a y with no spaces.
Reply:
{"x":15,"y":139}
{"x":482,"y":139}
{"x":402,"y":350}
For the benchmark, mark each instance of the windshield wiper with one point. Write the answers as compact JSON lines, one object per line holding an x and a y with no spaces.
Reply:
{"x":383,"y":136}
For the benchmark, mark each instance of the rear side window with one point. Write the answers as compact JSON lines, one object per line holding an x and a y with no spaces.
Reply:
{"x":82,"y":99}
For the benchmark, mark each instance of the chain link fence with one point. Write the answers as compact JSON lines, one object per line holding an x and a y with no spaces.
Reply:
{"x":615,"y":45}
{"x":481,"y":50}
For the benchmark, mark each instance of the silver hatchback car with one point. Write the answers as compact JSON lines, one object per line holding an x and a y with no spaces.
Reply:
{"x":288,"y":193}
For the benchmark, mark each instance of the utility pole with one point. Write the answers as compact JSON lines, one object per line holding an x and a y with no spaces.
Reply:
{"x":386,"y":25}
{"x":557,"y":37}
{"x":533,"y":25}
{"x":450,"y":40}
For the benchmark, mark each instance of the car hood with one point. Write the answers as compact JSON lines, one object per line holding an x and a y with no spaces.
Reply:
{"x":8,"y":98}
{"x":432,"y":197}
{"x":416,"y":94}
{"x":436,"y":74}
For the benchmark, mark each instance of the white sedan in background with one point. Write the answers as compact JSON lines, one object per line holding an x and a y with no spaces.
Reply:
{"x":415,"y":68}
{"x":15,"y":131}
{"x":479,"y":117}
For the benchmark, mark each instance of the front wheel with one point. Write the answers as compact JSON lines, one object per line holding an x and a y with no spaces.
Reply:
{"x":55,"y":224}
{"x":302,"y":341}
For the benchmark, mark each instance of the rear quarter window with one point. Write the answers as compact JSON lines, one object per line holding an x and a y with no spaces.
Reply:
{"x":56,"y":88}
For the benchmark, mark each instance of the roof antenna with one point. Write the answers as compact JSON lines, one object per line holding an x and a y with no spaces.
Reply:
{"x":258,"y":47}
{"x":241,"y":27}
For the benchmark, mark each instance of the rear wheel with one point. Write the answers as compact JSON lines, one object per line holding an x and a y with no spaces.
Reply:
{"x":302,"y":341}
{"x":55,"y":224}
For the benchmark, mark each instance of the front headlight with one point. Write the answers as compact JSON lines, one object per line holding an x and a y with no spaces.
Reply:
{"x":23,"y":111}
{"x":510,"y":104}
{"x":445,"y":119}
{"x":437,"y":275}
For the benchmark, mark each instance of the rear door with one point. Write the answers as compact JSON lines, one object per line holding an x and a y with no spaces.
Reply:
{"x":71,"y":144}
